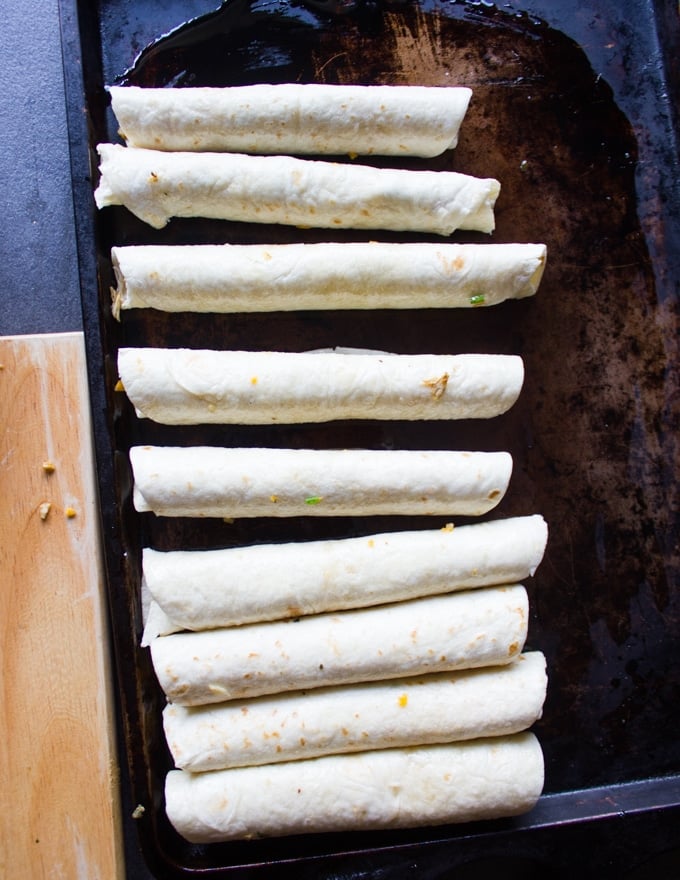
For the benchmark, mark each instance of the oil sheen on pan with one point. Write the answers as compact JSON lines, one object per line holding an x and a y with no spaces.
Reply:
{"x":590,"y":435}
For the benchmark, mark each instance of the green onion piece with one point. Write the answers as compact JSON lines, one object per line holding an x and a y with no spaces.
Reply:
{"x":477,"y":299}
{"x":314,"y":499}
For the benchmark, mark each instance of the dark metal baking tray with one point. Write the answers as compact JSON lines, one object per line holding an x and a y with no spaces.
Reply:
{"x":573,"y":112}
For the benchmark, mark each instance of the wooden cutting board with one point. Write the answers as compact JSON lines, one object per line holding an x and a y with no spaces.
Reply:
{"x":59,"y":806}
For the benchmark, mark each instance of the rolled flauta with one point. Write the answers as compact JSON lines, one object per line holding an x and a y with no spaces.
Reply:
{"x":247,"y":482}
{"x":293,"y":118}
{"x":201,"y":589}
{"x":156,"y":186}
{"x":187,"y":387}
{"x":328,"y":275}
{"x":438,"y":708}
{"x":466,"y":630}
{"x":388,"y":788}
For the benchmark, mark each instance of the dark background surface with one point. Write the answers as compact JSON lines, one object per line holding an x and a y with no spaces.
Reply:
{"x":38,"y":273}
{"x":39,"y":292}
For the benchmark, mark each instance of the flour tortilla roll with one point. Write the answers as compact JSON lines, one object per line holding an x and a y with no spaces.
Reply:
{"x":245,"y":482}
{"x":388,"y":788}
{"x":328,"y":275}
{"x":201,"y":589}
{"x":466,"y":630}
{"x":437,"y":708}
{"x":293,"y":118}
{"x":156,"y":186}
{"x":188,"y":387}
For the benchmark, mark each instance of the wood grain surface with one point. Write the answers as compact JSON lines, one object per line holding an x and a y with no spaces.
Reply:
{"x":59,"y":809}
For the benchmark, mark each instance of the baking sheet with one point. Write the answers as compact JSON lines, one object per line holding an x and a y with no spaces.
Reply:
{"x":587,"y":164}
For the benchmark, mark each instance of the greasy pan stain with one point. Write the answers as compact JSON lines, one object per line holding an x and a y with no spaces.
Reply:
{"x":589,"y":438}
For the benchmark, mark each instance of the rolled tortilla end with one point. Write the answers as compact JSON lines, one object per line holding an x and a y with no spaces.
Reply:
{"x":188,"y":387}
{"x":438,"y":708}
{"x":293,"y":118}
{"x":156,"y":186}
{"x":247,"y":482}
{"x":328,"y":275}
{"x":202,"y":589}
{"x":468,"y":630}
{"x":382,"y":789}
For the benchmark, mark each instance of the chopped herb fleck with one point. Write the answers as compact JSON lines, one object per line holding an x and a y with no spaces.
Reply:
{"x":313,"y":499}
{"x":477,"y":299}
